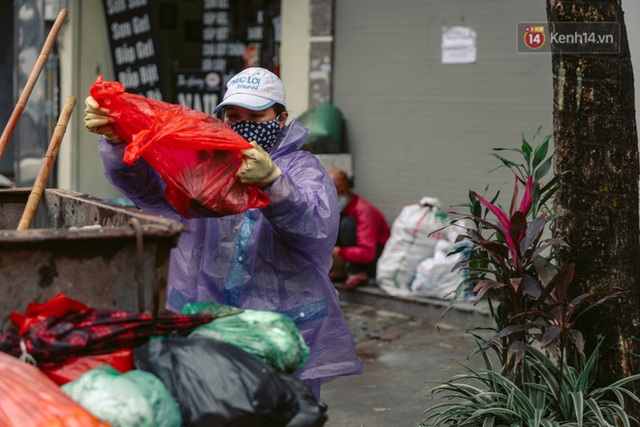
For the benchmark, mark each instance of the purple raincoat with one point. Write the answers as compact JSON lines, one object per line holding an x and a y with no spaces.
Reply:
{"x":277,"y":258}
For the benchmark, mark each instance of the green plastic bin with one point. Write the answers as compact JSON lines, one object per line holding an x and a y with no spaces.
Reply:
{"x":325,"y":124}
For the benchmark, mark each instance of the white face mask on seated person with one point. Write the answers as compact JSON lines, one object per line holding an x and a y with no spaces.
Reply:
{"x":342,"y":202}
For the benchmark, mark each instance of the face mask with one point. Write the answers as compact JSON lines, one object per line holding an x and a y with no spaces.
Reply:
{"x":264,"y":133}
{"x":342,"y":202}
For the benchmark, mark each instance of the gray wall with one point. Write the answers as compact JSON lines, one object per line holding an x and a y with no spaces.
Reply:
{"x":417,"y":127}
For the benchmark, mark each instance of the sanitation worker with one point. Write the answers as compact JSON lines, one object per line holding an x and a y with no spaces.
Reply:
{"x":275,"y":258}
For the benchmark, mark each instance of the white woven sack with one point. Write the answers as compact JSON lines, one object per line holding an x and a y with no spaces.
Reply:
{"x":410,"y":242}
{"x":434,"y":275}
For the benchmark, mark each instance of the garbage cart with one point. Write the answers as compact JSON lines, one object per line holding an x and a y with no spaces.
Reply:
{"x":106,"y":255}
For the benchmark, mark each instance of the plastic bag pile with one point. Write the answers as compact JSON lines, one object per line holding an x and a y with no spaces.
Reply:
{"x":234,"y":373}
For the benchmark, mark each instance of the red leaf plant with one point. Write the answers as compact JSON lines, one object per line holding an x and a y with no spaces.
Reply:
{"x":511,"y":264}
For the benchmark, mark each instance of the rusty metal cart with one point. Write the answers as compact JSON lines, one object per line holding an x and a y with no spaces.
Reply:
{"x":106,"y":255}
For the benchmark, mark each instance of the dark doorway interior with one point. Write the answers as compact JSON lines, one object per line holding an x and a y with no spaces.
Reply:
{"x":6,"y":82}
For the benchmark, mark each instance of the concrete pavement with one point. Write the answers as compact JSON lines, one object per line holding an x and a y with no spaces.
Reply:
{"x":406,"y":349}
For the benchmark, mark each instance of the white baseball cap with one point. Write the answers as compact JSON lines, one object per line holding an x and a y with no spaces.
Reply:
{"x":254,"y":88}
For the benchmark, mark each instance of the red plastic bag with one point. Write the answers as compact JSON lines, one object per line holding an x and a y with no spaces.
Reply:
{"x":196,"y":154}
{"x":37,"y":312}
{"x":29,"y":398}
{"x":121,"y":360}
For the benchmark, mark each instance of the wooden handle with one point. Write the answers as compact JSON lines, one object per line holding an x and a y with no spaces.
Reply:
{"x":47,"y":164}
{"x":31,"y":82}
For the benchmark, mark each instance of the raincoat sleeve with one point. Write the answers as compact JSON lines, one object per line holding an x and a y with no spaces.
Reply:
{"x":138,"y":182}
{"x":303,"y":207}
{"x":367,"y":225}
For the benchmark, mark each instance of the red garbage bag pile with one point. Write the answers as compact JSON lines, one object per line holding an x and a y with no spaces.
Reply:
{"x":196,"y":154}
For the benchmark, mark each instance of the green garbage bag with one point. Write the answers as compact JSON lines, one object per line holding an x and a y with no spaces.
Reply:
{"x":135,"y":398}
{"x":270,"y":336}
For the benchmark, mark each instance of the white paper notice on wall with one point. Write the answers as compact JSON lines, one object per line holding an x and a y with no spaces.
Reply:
{"x":458,"y":45}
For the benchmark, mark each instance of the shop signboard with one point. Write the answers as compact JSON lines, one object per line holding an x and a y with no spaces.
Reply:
{"x":133,"y":47}
{"x":198,"y":90}
{"x":235,"y":35}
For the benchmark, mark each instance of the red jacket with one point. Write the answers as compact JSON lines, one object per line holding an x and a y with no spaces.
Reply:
{"x":371,"y":230}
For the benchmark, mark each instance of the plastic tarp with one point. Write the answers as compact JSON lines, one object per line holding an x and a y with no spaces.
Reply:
{"x":62,"y":329}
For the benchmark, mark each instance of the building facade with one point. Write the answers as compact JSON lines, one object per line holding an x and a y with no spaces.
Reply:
{"x":426,"y":88}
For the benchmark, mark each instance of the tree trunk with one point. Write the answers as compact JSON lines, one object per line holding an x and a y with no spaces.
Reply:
{"x":597,"y":151}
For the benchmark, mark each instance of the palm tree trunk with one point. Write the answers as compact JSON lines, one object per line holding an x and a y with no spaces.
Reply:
{"x":597,"y":151}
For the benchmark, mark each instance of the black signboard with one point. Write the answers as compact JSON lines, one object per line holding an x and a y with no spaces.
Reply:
{"x":239,"y":34}
{"x":231,"y":35}
{"x":133,"y":47}
{"x":198,"y":90}
{"x":235,"y":35}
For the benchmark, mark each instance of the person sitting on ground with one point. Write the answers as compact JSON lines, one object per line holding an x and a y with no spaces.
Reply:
{"x":362,"y":235}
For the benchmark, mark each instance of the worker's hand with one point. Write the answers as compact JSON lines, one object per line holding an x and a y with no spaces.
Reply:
{"x":257,"y":167}
{"x":97,"y":120}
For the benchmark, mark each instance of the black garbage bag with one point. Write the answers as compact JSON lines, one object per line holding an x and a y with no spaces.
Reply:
{"x":311,"y":413}
{"x":219,"y":384}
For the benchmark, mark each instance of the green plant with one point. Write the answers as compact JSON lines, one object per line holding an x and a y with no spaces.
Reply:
{"x":510,"y":263}
{"x":492,"y":397}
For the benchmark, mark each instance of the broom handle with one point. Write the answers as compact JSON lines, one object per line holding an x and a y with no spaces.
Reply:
{"x":31,"y":82}
{"x":47,"y":163}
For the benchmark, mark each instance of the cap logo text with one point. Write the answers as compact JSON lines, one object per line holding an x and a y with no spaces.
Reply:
{"x":251,"y":83}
